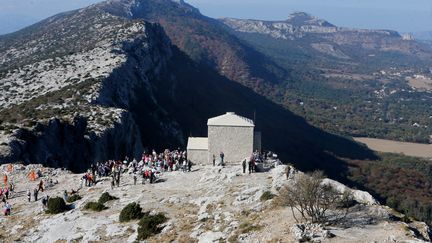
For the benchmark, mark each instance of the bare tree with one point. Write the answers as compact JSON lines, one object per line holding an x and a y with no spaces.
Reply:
{"x":311,"y":198}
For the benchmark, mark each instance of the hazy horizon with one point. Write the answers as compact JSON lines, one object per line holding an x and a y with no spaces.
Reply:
{"x":397,"y":15}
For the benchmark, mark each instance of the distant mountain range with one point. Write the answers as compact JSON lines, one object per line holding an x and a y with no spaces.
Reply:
{"x":424,"y":35}
{"x":355,"y":65}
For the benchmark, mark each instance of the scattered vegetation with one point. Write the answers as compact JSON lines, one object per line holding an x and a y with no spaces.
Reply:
{"x":56,"y":205}
{"x":247,"y":227}
{"x":74,"y":198}
{"x":28,"y":111}
{"x":95,"y":206}
{"x":359,"y":110}
{"x":130,"y":212}
{"x":267,"y":195}
{"x":403,"y":183}
{"x":312,"y":199}
{"x":105,"y":197}
{"x":149,"y":225}
{"x":347,"y":200}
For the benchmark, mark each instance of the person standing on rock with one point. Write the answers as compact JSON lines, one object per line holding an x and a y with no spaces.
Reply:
{"x":28,"y":195}
{"x":244,"y":165}
{"x":65,"y":196}
{"x":143,"y":174}
{"x":135,"y":179}
{"x":251,"y":164}
{"x":35,"y":194}
{"x":118,"y":177}
{"x":7,"y":209}
{"x":112,"y":182}
{"x":45,"y":202}
{"x":189,"y":166}
{"x":222,"y":155}
{"x":214,"y":160}
{"x":5,"y":179}
{"x":41,"y":186}
{"x":184,"y":165}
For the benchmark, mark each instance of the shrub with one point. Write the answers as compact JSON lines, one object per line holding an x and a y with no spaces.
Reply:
{"x":267,"y":195}
{"x":56,"y":205}
{"x":73,"y":198}
{"x":130,"y":212}
{"x":347,"y":200}
{"x":105,"y":197}
{"x":406,"y":219}
{"x":150,"y":225}
{"x":95,"y":206}
{"x":312,"y":199}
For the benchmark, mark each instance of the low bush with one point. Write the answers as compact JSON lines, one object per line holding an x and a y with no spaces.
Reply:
{"x":267,"y":195}
{"x":95,"y":206}
{"x":406,"y":219}
{"x":105,"y":197}
{"x":247,"y":227}
{"x":74,"y":198}
{"x":149,"y":225}
{"x":130,"y":212}
{"x":347,"y":200}
{"x":56,"y":205}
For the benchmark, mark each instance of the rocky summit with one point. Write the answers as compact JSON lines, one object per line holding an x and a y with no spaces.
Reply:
{"x":208,"y":204}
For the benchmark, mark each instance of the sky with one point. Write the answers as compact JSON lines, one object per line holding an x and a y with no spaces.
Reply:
{"x":400,"y":15}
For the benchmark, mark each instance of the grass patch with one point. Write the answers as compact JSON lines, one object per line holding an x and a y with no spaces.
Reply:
{"x":247,"y":227}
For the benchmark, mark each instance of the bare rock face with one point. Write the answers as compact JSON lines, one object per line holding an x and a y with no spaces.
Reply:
{"x":64,"y":144}
{"x":360,"y":196}
{"x":310,"y":232}
{"x":297,"y":25}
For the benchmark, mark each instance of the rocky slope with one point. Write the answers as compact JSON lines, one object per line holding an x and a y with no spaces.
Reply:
{"x":209,"y":204}
{"x":204,"y":39}
{"x":64,"y":99}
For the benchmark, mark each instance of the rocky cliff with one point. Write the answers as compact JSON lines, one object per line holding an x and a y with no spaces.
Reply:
{"x":302,"y":26}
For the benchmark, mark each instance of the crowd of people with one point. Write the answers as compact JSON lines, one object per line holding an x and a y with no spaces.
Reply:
{"x":255,"y":158}
{"x":148,"y":168}
{"x":8,"y":191}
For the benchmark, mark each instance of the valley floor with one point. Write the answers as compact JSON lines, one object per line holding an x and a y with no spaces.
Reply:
{"x":390,"y":146}
{"x":209,"y":204}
